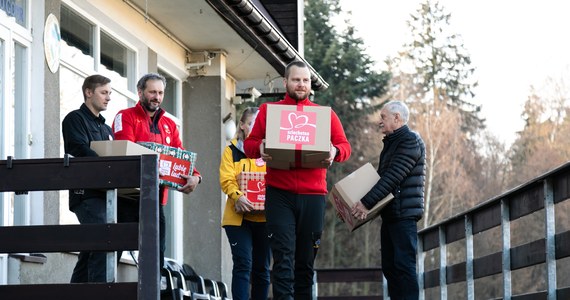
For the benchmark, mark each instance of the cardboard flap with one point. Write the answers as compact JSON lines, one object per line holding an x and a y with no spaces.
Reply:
{"x":119,"y":148}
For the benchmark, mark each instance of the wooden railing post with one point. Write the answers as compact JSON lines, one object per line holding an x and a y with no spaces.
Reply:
{"x":550,"y":232}
{"x":469,"y":256}
{"x":149,"y":288}
{"x":506,"y":248}
{"x":442,"y":263}
{"x":111,"y":219}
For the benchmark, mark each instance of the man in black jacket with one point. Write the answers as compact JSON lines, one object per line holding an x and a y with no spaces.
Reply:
{"x":79,"y":128}
{"x":402,"y":173}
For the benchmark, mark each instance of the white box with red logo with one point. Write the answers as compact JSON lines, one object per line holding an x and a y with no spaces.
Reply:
{"x":297,"y":136}
{"x":349,"y":190}
{"x":252,"y":184}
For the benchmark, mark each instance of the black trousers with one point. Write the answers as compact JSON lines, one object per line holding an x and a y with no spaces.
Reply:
{"x":399,"y":241}
{"x":92,"y":266}
{"x":295,"y":225}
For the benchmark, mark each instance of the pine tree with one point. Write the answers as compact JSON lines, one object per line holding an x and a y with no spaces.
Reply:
{"x":441,"y":62}
{"x":354,"y":85}
{"x":433,"y":74}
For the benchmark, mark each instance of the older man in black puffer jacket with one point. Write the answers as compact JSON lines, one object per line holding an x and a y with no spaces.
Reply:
{"x":402,"y":172}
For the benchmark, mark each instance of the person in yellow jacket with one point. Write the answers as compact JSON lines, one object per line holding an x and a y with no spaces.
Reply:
{"x":244,"y":226}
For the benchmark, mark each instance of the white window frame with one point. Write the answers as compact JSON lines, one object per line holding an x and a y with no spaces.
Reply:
{"x":12,"y":33}
{"x":175,"y":233}
{"x":66,"y":216}
{"x":4,"y":203}
{"x":97,"y":28}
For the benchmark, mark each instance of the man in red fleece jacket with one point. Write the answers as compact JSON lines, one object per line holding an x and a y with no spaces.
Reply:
{"x":147,"y":122}
{"x":295,"y":198}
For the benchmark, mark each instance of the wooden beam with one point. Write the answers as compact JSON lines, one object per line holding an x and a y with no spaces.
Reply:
{"x":65,"y":238}
{"x":83,"y":291}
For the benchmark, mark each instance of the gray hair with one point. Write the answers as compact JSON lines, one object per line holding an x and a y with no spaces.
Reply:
{"x":141,"y":85}
{"x":400,"y":108}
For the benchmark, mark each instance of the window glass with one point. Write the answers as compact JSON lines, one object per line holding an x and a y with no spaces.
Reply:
{"x":20,"y":102}
{"x":21,"y":129}
{"x":170,"y":94}
{"x":117,"y":58}
{"x":77,"y":35}
{"x":15,"y":9}
{"x":71,"y":98}
{"x":86,"y":50}
{"x":20,"y":11}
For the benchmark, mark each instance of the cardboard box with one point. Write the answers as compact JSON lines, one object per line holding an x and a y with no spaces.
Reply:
{"x":172,"y":161}
{"x":252,"y":184}
{"x":349,"y":190}
{"x":119,"y":148}
{"x":297,"y":136}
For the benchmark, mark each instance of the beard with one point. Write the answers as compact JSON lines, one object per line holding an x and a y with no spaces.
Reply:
{"x":147,"y":104}
{"x":295,"y":94}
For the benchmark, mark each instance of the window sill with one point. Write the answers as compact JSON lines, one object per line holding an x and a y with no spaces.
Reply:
{"x":36,"y":258}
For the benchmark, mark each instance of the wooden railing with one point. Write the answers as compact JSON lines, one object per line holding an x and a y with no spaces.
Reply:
{"x":106,"y":173}
{"x":543,"y":195}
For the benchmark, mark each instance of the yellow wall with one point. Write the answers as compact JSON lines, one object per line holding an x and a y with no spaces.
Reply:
{"x":134,"y":23}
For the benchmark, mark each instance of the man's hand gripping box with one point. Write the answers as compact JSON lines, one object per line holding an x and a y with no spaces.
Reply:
{"x":349,"y":190}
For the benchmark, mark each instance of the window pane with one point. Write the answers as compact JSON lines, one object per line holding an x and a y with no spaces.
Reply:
{"x":20,"y":11}
{"x":170,"y":96}
{"x":77,"y":39}
{"x":76,"y":31}
{"x":16,"y":9}
{"x":71,"y":98}
{"x":117,"y":58}
{"x":21,"y":113}
{"x":21,"y":109}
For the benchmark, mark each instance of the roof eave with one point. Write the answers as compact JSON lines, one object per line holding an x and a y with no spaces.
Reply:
{"x":260,"y":34}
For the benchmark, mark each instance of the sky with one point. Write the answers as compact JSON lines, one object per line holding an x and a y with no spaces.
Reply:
{"x":512,"y":44}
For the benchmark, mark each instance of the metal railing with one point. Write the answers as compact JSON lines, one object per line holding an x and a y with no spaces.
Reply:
{"x":542,"y":195}
{"x":105,"y":173}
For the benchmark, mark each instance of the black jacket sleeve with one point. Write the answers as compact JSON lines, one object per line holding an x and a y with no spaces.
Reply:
{"x":394,"y":170}
{"x":76,"y":136}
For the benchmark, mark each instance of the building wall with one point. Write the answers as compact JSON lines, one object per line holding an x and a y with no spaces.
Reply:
{"x":203,"y":100}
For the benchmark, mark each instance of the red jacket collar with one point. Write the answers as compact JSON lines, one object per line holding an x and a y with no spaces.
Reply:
{"x":291,"y":101}
{"x":142,"y":111}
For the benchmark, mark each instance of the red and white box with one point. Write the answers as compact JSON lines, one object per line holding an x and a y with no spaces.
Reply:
{"x":252,"y":184}
{"x":297,"y":136}
{"x":173,"y":162}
